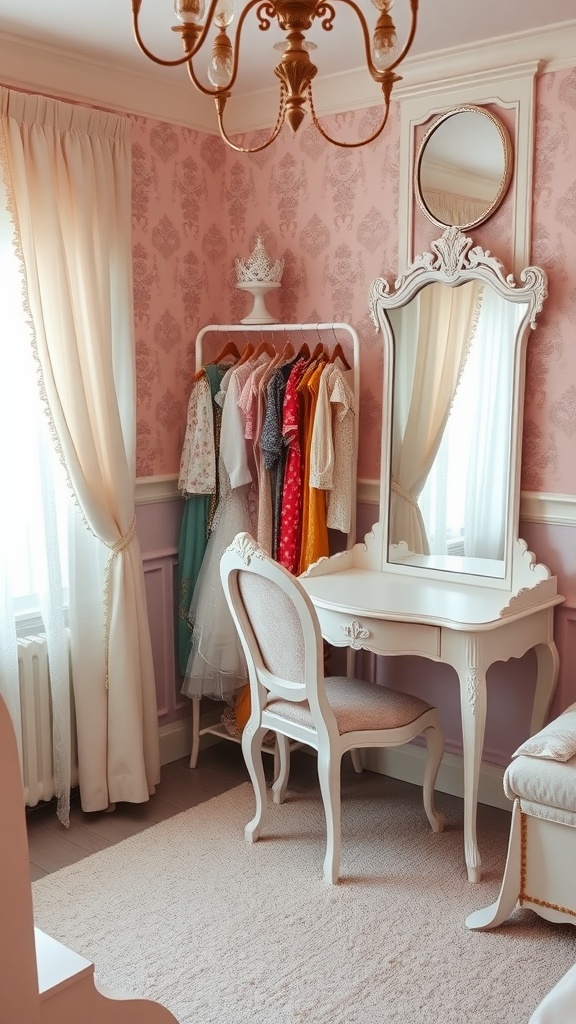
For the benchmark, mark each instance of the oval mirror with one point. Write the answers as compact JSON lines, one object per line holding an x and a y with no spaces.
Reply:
{"x":464,"y":167}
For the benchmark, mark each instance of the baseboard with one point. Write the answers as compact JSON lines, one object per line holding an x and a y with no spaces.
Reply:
{"x":407,"y":763}
{"x":176,"y":738}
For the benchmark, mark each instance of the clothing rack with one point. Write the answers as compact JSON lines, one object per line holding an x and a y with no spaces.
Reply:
{"x":328,"y":335}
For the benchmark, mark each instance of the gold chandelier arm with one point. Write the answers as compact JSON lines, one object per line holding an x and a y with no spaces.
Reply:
{"x":188,"y":53}
{"x":220,"y":90}
{"x":337,"y":142}
{"x":374,"y":71}
{"x":220,"y":103}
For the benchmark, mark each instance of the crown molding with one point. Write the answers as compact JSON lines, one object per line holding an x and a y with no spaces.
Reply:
{"x":535,"y":507}
{"x":65,"y":75}
{"x":58,"y":72}
{"x":551,"y":49}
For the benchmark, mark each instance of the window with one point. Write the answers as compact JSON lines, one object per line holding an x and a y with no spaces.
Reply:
{"x":35,"y":495}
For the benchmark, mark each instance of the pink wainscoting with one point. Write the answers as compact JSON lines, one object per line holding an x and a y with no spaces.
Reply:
{"x":158,"y":530}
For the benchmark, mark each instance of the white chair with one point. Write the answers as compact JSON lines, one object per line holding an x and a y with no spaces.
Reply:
{"x":280,"y":635}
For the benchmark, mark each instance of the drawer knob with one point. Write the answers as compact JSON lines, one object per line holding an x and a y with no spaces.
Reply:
{"x":355,"y":632}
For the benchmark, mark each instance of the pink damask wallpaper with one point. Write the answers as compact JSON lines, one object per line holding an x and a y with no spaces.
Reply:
{"x":331,"y":214}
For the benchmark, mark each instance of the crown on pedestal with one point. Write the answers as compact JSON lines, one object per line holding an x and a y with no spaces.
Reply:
{"x":259,"y":267}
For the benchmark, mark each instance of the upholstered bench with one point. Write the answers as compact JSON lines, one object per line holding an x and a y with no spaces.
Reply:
{"x":539,"y":872}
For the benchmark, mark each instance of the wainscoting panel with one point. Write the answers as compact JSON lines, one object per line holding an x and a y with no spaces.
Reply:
{"x":160,"y":576}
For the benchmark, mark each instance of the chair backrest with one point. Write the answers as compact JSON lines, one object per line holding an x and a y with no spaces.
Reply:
{"x":277,"y":625}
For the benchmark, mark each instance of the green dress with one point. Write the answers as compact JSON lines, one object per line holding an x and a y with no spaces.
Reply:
{"x":194,"y":532}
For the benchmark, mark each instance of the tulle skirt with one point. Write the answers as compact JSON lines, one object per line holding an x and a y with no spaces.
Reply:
{"x":216,"y":666}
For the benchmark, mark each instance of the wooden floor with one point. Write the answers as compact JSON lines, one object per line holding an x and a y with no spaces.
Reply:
{"x":220,"y":767}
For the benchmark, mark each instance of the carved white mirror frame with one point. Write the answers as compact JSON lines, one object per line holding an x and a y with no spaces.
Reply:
{"x":454,"y":260}
{"x":511,"y":88}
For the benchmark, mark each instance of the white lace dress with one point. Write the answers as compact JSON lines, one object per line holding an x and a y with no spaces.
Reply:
{"x":332,"y":449}
{"x":216,"y":666}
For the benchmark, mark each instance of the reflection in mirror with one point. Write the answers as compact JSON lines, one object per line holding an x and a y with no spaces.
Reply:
{"x":452,"y":420}
{"x":463,"y":168}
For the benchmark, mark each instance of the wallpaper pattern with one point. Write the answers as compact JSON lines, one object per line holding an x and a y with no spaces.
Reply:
{"x":332,"y":215}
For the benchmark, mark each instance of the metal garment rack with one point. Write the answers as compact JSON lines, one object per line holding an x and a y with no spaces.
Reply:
{"x":309,"y":333}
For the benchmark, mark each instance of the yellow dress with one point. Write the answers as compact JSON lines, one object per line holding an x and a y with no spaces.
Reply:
{"x":315,"y":543}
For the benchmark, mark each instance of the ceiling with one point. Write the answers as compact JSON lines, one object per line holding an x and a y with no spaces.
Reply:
{"x":102,"y":31}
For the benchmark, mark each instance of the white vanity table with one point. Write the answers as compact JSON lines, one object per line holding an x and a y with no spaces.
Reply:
{"x":483,"y":598}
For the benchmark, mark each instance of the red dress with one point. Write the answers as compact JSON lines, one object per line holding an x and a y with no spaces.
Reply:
{"x":291,"y":512}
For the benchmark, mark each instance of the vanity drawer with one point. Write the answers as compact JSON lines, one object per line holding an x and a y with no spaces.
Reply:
{"x":379,"y":635}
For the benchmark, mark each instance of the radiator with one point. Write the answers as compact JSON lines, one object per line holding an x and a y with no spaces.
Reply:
{"x":36,"y":716}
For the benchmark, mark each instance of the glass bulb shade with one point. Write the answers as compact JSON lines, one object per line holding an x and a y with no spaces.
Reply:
{"x":220,"y":68}
{"x":383,"y":5}
{"x":189,"y":12}
{"x":224,"y":13}
{"x":283,"y":46}
{"x":385,"y":49}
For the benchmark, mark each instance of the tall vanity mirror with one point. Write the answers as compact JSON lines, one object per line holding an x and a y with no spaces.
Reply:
{"x":455,"y":330}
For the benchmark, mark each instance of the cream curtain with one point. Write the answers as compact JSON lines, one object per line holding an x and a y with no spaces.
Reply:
{"x":450,"y":208}
{"x":432,"y":342}
{"x":69,"y":177}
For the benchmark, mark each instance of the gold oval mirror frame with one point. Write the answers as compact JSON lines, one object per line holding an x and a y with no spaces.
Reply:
{"x":463,"y":168}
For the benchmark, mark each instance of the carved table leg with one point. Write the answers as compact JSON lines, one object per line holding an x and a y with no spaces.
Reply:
{"x":472,"y":677}
{"x":546,"y":679}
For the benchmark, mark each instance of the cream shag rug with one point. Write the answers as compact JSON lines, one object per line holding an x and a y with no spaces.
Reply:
{"x":224,"y":932}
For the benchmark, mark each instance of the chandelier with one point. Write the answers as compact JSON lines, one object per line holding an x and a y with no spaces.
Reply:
{"x":296,"y":70}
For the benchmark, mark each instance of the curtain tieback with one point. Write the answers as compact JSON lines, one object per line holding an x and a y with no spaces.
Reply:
{"x":124,"y":541}
{"x":403,"y":494}
{"x":115,"y":549}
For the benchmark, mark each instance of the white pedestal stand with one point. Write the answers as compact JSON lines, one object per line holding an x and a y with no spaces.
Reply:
{"x":259,"y":314}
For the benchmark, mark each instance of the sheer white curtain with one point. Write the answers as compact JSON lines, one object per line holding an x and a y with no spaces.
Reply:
{"x":33,"y":556}
{"x":488,"y":475}
{"x":437,"y":329}
{"x":68,"y":177}
{"x":464,"y":499}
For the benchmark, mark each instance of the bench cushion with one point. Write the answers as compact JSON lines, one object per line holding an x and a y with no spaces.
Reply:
{"x":547,"y":789}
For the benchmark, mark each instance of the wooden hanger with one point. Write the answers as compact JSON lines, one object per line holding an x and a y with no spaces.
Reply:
{"x":304,"y":352}
{"x":265,"y":348}
{"x":318,"y":351}
{"x":288,"y":352}
{"x":229,"y":349}
{"x":246,"y":354}
{"x":338,"y":353}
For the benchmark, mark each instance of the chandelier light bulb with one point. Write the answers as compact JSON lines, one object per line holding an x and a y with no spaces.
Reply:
{"x":220,"y":69}
{"x":189,"y":12}
{"x":385,"y":49}
{"x":224,"y":13}
{"x":385,"y":45}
